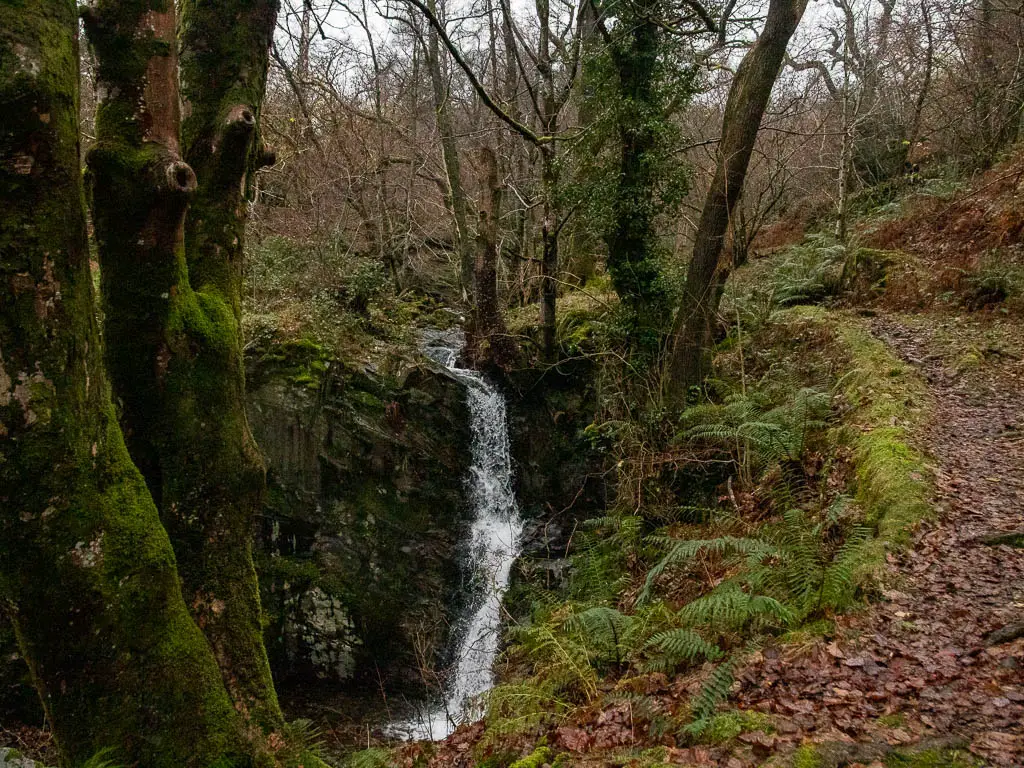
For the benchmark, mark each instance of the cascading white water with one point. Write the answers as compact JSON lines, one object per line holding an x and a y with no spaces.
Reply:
{"x":494,"y":546}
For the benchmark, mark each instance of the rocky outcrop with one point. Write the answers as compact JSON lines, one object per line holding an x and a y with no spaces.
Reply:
{"x":559,"y":477}
{"x":365,"y":512}
{"x":12,"y":758}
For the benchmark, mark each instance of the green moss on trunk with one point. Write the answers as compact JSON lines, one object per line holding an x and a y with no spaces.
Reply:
{"x":172,"y":323}
{"x":224,"y":59}
{"x":87,"y":573}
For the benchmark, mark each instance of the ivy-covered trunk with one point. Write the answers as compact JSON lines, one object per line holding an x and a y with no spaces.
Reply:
{"x":171,"y":293}
{"x":87,"y":573}
{"x":631,"y":239}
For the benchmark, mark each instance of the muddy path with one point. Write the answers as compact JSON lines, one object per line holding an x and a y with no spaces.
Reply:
{"x":935,"y":662}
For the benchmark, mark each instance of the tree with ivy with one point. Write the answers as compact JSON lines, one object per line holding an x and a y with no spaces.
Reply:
{"x":650,"y":81}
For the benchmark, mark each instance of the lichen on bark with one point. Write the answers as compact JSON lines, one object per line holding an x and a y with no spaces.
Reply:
{"x":87,"y":573}
{"x":171,"y":297}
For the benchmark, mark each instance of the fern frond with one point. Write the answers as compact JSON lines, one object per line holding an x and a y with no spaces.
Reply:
{"x":728,"y":608}
{"x":603,"y":630}
{"x":514,"y":708}
{"x":677,"y":646}
{"x":838,"y":589}
{"x":684,"y":550}
{"x":714,"y":691}
{"x":375,"y":757}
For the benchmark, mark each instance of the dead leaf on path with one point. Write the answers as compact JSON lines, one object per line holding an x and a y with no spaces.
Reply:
{"x":574,"y":739}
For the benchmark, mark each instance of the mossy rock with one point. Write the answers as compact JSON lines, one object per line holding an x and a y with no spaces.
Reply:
{"x":364,"y":510}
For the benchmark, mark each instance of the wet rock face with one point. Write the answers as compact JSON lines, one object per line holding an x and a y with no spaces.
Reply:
{"x":559,"y":477}
{"x":558,"y":473}
{"x":365,"y":511}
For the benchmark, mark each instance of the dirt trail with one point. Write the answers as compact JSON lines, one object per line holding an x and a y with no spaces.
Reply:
{"x":921,"y":667}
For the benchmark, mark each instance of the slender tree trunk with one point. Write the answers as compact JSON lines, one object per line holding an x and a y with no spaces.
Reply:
{"x":172,"y":295}
{"x":549,"y":254}
{"x":549,"y":185}
{"x":490,"y":343}
{"x":450,"y":151}
{"x":87,"y":573}
{"x":385,"y":226}
{"x":988,"y":86}
{"x":849,"y":125}
{"x":914,"y":134}
{"x":748,"y":98}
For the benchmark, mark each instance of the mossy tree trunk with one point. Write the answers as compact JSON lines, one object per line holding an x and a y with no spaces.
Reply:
{"x":171,"y":294}
{"x":489,"y":343}
{"x":457,"y":199}
{"x":632,"y":238}
{"x":748,"y":99}
{"x":224,"y":61}
{"x":87,"y":573}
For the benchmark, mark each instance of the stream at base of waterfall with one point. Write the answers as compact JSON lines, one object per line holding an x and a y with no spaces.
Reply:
{"x":494,"y":545}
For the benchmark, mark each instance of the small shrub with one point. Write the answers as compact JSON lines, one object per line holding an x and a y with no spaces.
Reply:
{"x":991,"y":283}
{"x":375,"y":757}
{"x":822,"y":268}
{"x":810,"y":272}
{"x":726,"y":726}
{"x":535,"y":759}
{"x":807,"y":757}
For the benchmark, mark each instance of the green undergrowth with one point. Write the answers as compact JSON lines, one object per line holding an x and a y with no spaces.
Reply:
{"x":753,"y":517}
{"x":374,"y":757}
{"x":328,"y":295}
{"x":888,"y":400}
{"x":932,"y":758}
{"x":827,"y":756}
{"x":726,"y":726}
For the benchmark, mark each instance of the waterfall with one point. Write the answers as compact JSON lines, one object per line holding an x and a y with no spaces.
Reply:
{"x":494,"y":546}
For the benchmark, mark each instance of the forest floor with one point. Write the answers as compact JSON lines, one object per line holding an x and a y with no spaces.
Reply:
{"x":932,"y":674}
{"x":928,"y":664}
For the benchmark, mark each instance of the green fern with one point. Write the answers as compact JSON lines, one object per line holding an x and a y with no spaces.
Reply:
{"x":604,"y":631}
{"x":682,"y":551}
{"x":816,"y":563}
{"x":375,"y":757}
{"x":561,"y":661}
{"x":714,"y":691}
{"x":602,"y":550}
{"x":514,"y":708}
{"x":304,"y":735}
{"x":677,"y":646}
{"x":794,"y":570}
{"x":810,"y":272}
{"x":756,"y":434}
{"x":728,"y":608}
{"x":101,"y":759}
